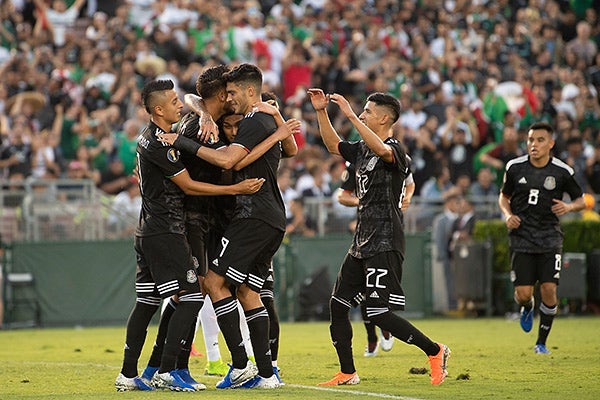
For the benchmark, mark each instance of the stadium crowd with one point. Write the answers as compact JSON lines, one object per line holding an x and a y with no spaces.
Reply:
{"x":471,"y":77}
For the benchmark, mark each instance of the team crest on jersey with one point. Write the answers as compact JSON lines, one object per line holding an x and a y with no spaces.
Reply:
{"x":550,"y":183}
{"x":371,"y":163}
{"x":173,"y":155}
{"x":191,"y":276}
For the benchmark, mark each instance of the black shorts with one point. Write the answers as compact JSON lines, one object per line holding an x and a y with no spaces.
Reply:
{"x":529,"y":268}
{"x":165,"y":261}
{"x":375,"y":280}
{"x":197,"y":226}
{"x":245,"y":252}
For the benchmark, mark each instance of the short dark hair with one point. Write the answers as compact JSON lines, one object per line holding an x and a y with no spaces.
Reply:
{"x":391,"y":103}
{"x":542,"y":125}
{"x":212,"y":81}
{"x":150,"y":92}
{"x":246,"y":74}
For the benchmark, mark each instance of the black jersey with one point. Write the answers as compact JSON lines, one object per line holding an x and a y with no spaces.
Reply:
{"x":199,"y":169}
{"x":531,"y":191}
{"x":162,"y":199}
{"x":266,"y":204}
{"x":349,"y":178}
{"x":379,"y":188}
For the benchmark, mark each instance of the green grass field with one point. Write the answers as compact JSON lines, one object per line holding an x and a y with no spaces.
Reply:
{"x":491,"y":359}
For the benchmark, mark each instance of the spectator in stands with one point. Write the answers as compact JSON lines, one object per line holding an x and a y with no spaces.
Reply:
{"x":125,"y":209}
{"x":114,"y":180}
{"x":58,"y":19}
{"x":441,"y":234}
{"x":583,"y":47}
{"x":484,"y":186}
{"x":497,"y":157}
{"x":593,"y":169}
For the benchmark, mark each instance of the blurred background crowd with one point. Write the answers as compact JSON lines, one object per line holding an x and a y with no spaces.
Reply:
{"x":471,"y":77}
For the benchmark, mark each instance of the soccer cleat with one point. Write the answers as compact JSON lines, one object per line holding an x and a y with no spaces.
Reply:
{"x":236,"y":377}
{"x":194,"y":352}
{"x":526,"y":319}
{"x":258,"y":382}
{"x":185,"y":375}
{"x":216,"y":368}
{"x":172,"y":381}
{"x":386,"y":341}
{"x":276,"y":373}
{"x":371,"y":349}
{"x":149,"y":373}
{"x":438,"y":364}
{"x":540,"y":349}
{"x":123,"y":384}
{"x":342,"y":379}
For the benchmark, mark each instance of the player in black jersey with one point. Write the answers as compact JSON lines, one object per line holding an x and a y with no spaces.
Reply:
{"x":164,"y":261}
{"x":346,"y":196}
{"x":531,"y":202}
{"x":372,"y":269}
{"x":204,"y":214}
{"x":252,"y":237}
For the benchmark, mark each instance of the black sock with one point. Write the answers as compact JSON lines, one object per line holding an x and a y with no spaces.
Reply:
{"x":405,"y":331}
{"x":161,"y":335}
{"x":341,"y":335}
{"x":547,"y":314}
{"x":369,"y":326}
{"x":228,"y":318}
{"x":177,"y":332}
{"x":273,"y":325}
{"x":258,"y":325}
{"x":183,"y":359}
{"x":137,"y":327}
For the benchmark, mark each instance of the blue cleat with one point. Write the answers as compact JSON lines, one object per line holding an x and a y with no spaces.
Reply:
{"x":276,"y":373}
{"x":149,"y":373}
{"x":124,"y":384}
{"x":258,"y":382}
{"x":237,"y":377}
{"x":540,"y":349}
{"x":185,"y":375}
{"x":526,"y":319}
{"x":172,"y":381}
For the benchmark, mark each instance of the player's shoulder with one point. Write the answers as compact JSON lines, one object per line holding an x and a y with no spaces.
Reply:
{"x":518,"y":162}
{"x":561,"y":165}
{"x":255,"y":117}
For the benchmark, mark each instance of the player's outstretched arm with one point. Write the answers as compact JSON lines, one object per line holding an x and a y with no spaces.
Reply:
{"x":330,"y":137}
{"x":560,"y":208}
{"x":196,"y":188}
{"x":280,"y":135}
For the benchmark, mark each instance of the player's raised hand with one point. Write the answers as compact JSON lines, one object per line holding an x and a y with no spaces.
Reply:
{"x":267,"y":107}
{"x":168,"y":138}
{"x":209,"y":131}
{"x":318,"y":98}
{"x":342,"y":103}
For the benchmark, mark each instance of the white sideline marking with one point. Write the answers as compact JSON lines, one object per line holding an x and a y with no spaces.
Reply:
{"x":352,"y":392}
{"x":323,"y":389}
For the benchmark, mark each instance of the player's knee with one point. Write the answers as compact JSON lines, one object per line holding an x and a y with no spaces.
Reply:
{"x":338,"y":309}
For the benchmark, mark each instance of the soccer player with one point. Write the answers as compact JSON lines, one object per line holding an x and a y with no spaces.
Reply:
{"x":531,"y":202}
{"x":252,"y":237}
{"x":164,"y":260}
{"x":372,"y":269}
{"x":347,"y":196}
{"x":203,"y":214}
